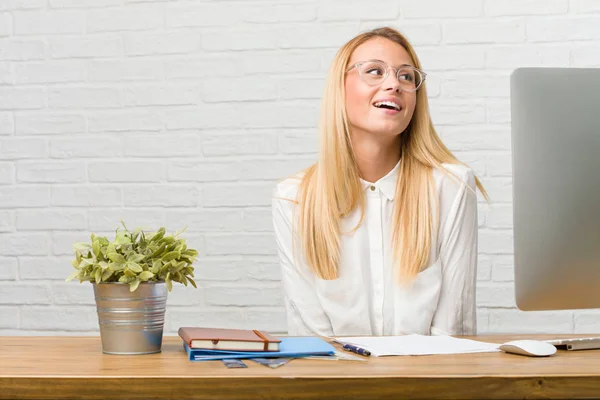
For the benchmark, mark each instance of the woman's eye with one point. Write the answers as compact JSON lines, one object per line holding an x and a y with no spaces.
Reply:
{"x":406,"y":77}
{"x":375,"y":71}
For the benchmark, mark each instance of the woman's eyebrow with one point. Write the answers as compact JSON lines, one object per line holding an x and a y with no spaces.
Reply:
{"x":401,"y":65}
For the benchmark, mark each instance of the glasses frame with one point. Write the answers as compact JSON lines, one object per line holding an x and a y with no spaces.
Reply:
{"x":358,"y":64}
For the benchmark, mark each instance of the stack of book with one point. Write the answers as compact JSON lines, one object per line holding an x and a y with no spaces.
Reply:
{"x":203,"y":344}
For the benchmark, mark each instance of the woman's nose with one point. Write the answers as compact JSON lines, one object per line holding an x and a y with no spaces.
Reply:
{"x":391,"y":82}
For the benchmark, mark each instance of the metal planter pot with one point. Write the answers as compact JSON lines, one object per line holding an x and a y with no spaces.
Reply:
{"x":131,"y":322}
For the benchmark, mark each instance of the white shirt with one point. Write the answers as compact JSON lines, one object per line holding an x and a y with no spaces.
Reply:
{"x":366,"y":299}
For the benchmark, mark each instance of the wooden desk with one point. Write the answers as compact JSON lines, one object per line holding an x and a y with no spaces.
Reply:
{"x":75,"y":368}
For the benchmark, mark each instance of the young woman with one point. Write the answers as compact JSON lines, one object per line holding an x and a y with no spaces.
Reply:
{"x":379,"y":236}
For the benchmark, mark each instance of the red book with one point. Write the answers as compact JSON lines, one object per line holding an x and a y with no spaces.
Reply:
{"x":228,"y":339}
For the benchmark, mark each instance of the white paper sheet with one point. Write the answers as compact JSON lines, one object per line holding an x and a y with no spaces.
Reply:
{"x":417,"y":345}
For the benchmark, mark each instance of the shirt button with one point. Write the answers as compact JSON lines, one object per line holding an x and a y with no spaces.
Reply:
{"x":373,"y":188}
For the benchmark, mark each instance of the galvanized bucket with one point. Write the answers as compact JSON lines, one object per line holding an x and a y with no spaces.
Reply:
{"x":131,"y":322}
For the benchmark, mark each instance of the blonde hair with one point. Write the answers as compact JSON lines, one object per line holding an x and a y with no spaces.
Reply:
{"x":331,"y":188}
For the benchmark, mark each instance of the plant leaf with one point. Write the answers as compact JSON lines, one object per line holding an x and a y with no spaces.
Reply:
{"x":171,"y":256}
{"x":192,"y":282}
{"x":74,"y":275}
{"x":144,"y":276}
{"x":116,"y":257}
{"x":134,"y":267}
{"x":134,"y":285}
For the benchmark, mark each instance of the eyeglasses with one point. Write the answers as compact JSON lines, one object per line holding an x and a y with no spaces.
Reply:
{"x":375,"y":72}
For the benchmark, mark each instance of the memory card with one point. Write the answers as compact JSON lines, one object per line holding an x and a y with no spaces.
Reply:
{"x":234,"y":363}
{"x":272,"y":362}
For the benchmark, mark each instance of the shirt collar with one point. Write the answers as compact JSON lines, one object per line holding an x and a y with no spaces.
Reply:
{"x":387,"y":184}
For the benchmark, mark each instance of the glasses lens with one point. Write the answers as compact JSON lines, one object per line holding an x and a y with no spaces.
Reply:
{"x":410,"y":78}
{"x":373,"y":72}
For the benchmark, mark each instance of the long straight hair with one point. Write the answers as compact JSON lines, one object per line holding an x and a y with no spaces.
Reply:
{"x":331,"y":189}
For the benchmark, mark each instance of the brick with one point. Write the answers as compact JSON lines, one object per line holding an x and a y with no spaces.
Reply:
{"x":289,"y":61}
{"x":316,"y":36}
{"x":126,"y":18}
{"x":419,"y":33}
{"x":7,"y":173}
{"x":348,"y":10}
{"x":490,"y":31}
{"x":587,"y":321}
{"x":12,"y":293}
{"x":9,"y":317}
{"x":242,"y":296}
{"x":484,"y":268}
{"x":475,"y":137}
{"x":7,"y":221}
{"x":515,"y":321}
{"x":225,"y":318}
{"x":529,"y":7}
{"x":150,"y":43}
{"x":445,"y":112}
{"x":495,"y":242}
{"x":238,"y":269}
{"x":84,"y":146}
{"x":108,"y":219}
{"x":475,"y":85}
{"x":497,"y":111}
{"x":258,"y":220}
{"x":80,"y":97}
{"x":86,"y":195}
{"x":244,"y":143}
{"x":55,"y":220}
{"x":202,"y":171}
{"x":86,"y":47}
{"x":441,"y":9}
{"x":162,"y":195}
{"x":138,"y":69}
{"x":156,"y":95}
{"x":585,"y":55}
{"x":499,"y":164}
{"x":529,"y":55}
{"x":22,"y":4}
{"x":196,"y":67}
{"x":185,"y":295}
{"x":474,"y":160}
{"x":73,"y":293}
{"x":272,"y":320}
{"x":276,"y":13}
{"x":499,"y":189}
{"x":563,"y":28}
{"x":84,"y":3}
{"x":125,"y":120}
{"x":452,"y":58}
{"x":272,"y":169}
{"x":62,"y":242}
{"x":299,"y":142}
{"x":222,"y":90}
{"x":6,"y":74}
{"x":238,"y":244}
{"x":189,"y":15}
{"x":301,"y":88}
{"x":583,"y":6}
{"x":17,"y":49}
{"x":51,"y":171}
{"x":51,"y":72}
{"x":236,"y":195}
{"x":500,"y":216}
{"x":175,"y":144}
{"x":209,"y":220}
{"x":16,"y":148}
{"x":72,"y":319}
{"x":503,"y":268}
{"x":483,"y":322}
{"x":24,"y":196}
{"x":6,"y":25}
{"x":45,"y":268}
{"x":42,"y":123}
{"x":7,"y":123}
{"x":8,"y":268}
{"x":492,"y":294}
{"x":48,"y":22}
{"x":240,"y":39}
{"x":19,"y":244}
{"x":22,"y":98}
{"x":126,"y":171}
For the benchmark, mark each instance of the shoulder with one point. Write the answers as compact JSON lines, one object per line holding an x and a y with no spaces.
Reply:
{"x":287,"y":189}
{"x":453,"y":179}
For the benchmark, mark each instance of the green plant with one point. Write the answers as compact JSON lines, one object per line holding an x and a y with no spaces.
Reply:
{"x":135,"y":257}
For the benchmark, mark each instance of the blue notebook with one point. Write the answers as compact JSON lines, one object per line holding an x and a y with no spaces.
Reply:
{"x":289,"y":347}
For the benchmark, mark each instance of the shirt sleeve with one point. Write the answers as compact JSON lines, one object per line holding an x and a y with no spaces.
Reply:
{"x":305,"y":316}
{"x":456,"y":310}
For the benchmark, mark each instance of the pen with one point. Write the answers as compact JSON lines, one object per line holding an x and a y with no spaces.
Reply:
{"x":356,"y":349}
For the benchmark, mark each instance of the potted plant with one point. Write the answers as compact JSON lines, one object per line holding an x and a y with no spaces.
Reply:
{"x":131,"y":276}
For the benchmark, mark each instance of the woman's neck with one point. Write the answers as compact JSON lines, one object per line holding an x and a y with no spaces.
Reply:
{"x":375,"y":158}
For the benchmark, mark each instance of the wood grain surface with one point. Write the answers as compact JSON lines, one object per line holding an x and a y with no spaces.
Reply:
{"x":76,"y":368}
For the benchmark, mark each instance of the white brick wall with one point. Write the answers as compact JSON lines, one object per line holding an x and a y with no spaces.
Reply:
{"x":186,"y":113}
